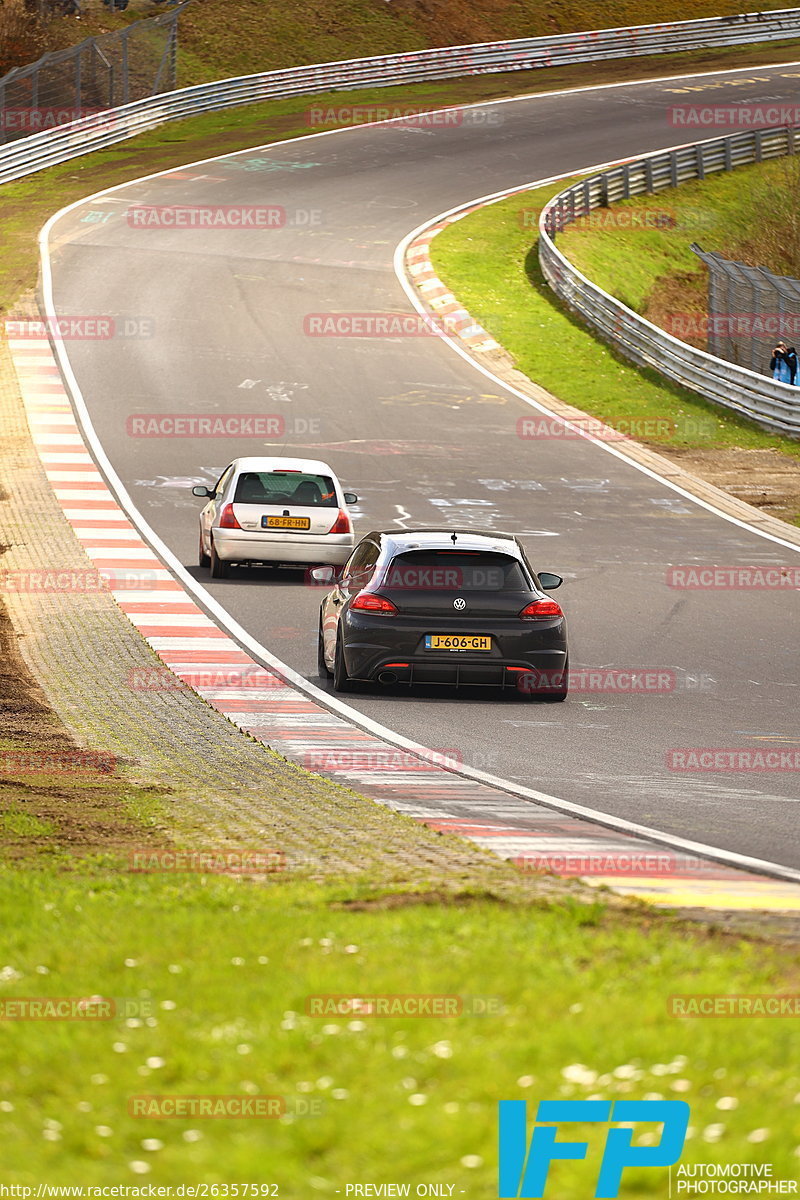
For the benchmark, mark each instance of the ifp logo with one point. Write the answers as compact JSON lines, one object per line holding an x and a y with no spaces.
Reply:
{"x":524,"y":1169}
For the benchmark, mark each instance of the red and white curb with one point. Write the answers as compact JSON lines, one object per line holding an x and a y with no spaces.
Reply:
{"x":438,"y":297}
{"x":197,"y":653}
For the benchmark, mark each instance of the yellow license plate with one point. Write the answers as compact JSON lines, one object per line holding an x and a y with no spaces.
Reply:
{"x":457,"y":641}
{"x":286,"y":522}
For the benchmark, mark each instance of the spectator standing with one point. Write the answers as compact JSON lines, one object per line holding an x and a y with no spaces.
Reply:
{"x":783,"y":363}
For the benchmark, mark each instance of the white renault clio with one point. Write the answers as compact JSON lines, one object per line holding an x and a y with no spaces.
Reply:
{"x":275,"y":510}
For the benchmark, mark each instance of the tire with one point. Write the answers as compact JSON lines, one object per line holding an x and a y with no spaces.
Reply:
{"x":341,"y":680}
{"x":202,"y":557}
{"x":219,"y":568}
{"x":323,"y":670}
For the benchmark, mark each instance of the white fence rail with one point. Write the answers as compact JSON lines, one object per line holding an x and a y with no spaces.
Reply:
{"x":41,"y":150}
{"x":776,"y":406}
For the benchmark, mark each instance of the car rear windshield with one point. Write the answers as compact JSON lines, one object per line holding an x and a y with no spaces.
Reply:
{"x":456,"y":570}
{"x":285,"y":487}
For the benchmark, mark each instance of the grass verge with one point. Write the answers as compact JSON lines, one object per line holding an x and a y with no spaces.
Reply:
{"x":217,"y":1005}
{"x":489,"y":259}
{"x":748,"y":214}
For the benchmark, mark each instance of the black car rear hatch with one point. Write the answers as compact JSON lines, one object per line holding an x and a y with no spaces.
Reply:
{"x":456,"y":587}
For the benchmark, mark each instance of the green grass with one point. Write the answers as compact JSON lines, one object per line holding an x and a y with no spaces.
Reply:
{"x":19,"y":824}
{"x":629,"y":263}
{"x":489,"y":259}
{"x":225,"y":983}
{"x":744,"y":214}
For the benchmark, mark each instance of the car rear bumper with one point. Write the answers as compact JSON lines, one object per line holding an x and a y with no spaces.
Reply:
{"x":240,"y":545}
{"x":516,"y":676}
{"x":374,"y":645}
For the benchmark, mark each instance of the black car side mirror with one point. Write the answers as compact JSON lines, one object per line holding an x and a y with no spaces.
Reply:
{"x":549,"y":581}
{"x":350,"y":498}
{"x":199,"y":490}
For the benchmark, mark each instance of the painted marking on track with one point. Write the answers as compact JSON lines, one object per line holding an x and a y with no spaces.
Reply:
{"x":263,"y":164}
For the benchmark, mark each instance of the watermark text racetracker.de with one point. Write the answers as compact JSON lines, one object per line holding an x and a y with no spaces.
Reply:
{"x":733,"y":758}
{"x":619,"y":219}
{"x":543,"y":427}
{"x":231,"y":425}
{"x":57,"y":762}
{"x":391,"y":760}
{"x":36,"y":118}
{"x":406,"y":1004}
{"x":734,"y":324}
{"x":77,"y":579}
{"x":161,"y":679}
{"x":378,"y":325}
{"x":207,"y":217}
{"x":754,"y":577}
{"x":733,"y":1005}
{"x":76,"y":1008}
{"x":646,"y":863}
{"x":732,"y":116}
{"x":220,"y":860}
{"x":69,"y":579}
{"x":79,"y":327}
{"x":624,"y":681}
{"x":402,"y":115}
{"x":207,"y":1107}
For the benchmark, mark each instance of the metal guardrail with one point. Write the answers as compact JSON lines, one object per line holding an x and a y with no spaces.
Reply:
{"x":37,"y":151}
{"x":773,"y":405}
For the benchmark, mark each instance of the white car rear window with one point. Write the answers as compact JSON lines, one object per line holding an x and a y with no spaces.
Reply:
{"x":285,"y":487}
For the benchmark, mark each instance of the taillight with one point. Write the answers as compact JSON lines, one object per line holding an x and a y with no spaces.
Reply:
{"x":227,"y":518}
{"x":372,"y":602}
{"x":541,"y":610}
{"x":342,"y":523}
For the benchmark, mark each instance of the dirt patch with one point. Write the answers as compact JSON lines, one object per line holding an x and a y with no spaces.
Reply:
{"x":683,"y":292}
{"x":767,"y":479}
{"x":393,"y":900}
{"x":46,"y":810}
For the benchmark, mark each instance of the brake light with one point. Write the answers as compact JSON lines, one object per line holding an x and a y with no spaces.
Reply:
{"x":541,"y":610}
{"x":372,"y":602}
{"x":342,"y":523}
{"x":227,"y":519}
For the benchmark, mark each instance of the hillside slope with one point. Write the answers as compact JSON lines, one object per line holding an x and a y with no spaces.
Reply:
{"x":250,"y":35}
{"x":220,"y":38}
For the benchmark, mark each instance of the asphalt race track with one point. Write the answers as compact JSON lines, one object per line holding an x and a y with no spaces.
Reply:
{"x":426,"y":439}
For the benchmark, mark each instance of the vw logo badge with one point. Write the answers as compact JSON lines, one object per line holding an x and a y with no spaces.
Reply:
{"x":460,"y":603}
